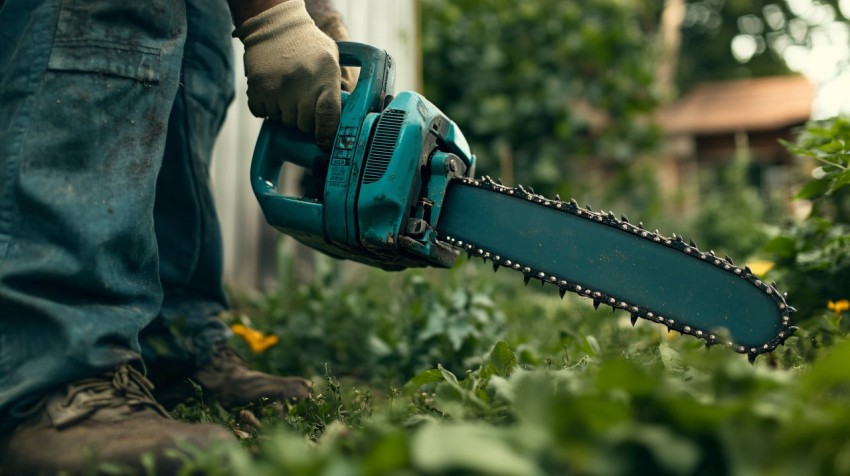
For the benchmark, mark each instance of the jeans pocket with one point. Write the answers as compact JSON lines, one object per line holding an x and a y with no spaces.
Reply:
{"x":117,"y":37}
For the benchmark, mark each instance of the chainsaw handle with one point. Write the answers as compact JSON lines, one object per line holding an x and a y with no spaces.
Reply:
{"x":278,"y":144}
{"x":373,"y":83}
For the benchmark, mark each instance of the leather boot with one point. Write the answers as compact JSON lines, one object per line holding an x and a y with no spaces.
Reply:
{"x":112,"y":418}
{"x":227,"y":379}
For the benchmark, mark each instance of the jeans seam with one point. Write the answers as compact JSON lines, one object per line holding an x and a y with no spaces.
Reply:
{"x":17,"y":130}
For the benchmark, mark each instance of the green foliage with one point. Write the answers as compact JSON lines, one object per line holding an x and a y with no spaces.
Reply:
{"x":707,"y":33}
{"x":813,"y":255}
{"x":731,"y":215}
{"x":359,"y":331}
{"x":664,"y":407}
{"x":543,"y":85}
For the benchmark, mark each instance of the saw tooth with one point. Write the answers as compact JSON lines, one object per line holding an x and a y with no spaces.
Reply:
{"x":558,"y":197}
{"x":595,"y":305}
{"x":562,"y":291}
{"x":573,"y":202}
{"x":499,"y":181}
{"x":752,"y":358}
{"x":640,"y":225}
{"x":792,"y":309}
{"x":587,"y":207}
{"x":693,"y":244}
{"x":526,"y":278}
{"x":624,"y":218}
{"x":634,"y":319}
{"x":729,"y":260}
{"x":495,"y":266}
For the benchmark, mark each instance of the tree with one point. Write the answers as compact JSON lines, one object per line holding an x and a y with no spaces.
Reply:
{"x":538,"y":87}
{"x":709,"y":30}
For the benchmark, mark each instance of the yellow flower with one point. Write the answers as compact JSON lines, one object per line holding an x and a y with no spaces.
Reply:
{"x":760,"y":267}
{"x":839,"y":306}
{"x":257,"y":341}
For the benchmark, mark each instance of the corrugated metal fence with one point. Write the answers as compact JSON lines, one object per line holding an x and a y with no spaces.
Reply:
{"x":249,"y":243}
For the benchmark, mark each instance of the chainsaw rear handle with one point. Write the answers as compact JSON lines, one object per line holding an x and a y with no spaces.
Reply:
{"x":278,"y":144}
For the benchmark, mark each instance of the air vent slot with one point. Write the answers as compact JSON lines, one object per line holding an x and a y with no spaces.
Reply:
{"x":383,"y":145}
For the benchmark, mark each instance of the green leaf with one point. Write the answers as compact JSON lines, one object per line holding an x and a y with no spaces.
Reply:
{"x":447,"y":376}
{"x":814,"y":189}
{"x":424,"y":378}
{"x":829,"y":371}
{"x":503,"y":359}
{"x":842,"y":179}
{"x":783,"y":247}
{"x":468,"y":449}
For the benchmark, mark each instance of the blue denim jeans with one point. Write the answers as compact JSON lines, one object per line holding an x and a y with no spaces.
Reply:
{"x":109,"y":242}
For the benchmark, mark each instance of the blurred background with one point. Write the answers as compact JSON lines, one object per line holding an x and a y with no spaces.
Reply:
{"x":668,"y":112}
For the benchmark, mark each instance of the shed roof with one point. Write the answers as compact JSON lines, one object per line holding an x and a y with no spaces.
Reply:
{"x":749,"y":104}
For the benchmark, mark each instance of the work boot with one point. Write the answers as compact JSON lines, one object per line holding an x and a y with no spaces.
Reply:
{"x":112,"y":418}
{"x":227,"y":379}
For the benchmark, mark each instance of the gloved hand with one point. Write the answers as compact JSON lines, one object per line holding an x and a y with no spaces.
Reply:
{"x":293,"y":70}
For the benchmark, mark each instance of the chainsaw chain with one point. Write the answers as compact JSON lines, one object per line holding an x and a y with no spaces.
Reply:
{"x":675,"y":242}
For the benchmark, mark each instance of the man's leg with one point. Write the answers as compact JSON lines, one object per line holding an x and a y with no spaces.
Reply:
{"x":86,"y":88}
{"x":84,"y":109}
{"x":187,"y":227}
{"x":188,"y":340}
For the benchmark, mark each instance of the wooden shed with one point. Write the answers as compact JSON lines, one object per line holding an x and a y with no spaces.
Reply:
{"x":714,"y":115}
{"x":716,"y":122}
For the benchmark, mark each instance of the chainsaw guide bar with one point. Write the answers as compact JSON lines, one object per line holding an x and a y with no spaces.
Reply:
{"x":664,"y":280}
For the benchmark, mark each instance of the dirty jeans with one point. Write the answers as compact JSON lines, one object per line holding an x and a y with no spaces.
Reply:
{"x":108,"y":113}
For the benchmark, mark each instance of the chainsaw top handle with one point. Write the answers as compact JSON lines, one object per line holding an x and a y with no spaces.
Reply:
{"x":278,"y":144}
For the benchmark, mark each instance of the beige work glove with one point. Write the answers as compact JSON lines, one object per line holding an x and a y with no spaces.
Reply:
{"x":293,"y":70}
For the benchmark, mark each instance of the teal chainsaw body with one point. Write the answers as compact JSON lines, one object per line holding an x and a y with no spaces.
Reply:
{"x":377,"y":197}
{"x":398,"y":190}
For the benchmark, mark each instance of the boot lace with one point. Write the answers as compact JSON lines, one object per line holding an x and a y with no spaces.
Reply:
{"x":126,"y":387}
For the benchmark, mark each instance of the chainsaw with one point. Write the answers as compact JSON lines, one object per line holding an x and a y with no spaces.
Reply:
{"x":399,"y":190}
